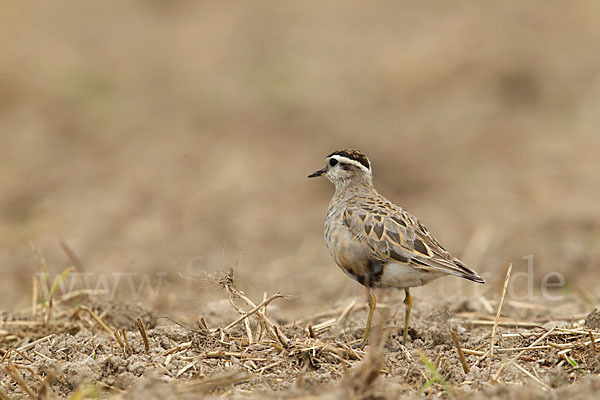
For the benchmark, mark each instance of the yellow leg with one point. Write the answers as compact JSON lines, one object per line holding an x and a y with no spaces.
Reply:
{"x":408,"y":305}
{"x":372,"y":304}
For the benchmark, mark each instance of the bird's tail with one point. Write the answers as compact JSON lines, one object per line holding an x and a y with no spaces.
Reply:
{"x":468,"y":273}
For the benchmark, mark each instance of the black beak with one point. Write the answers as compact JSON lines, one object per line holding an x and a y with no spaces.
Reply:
{"x":317,"y":173}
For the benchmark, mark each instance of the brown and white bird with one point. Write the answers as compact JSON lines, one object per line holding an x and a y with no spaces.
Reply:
{"x":377,"y":243}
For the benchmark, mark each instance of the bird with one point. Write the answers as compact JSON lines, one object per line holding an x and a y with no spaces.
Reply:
{"x":377,"y":243}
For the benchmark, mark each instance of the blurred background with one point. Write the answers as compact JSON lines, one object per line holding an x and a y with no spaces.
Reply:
{"x":176,"y":136}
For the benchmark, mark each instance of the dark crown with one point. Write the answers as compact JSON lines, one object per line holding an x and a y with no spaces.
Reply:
{"x":353,"y":155}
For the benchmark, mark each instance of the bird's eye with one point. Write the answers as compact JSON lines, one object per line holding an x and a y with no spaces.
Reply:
{"x":333,"y":162}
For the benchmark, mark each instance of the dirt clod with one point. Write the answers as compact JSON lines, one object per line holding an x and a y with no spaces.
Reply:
{"x":592,"y":320}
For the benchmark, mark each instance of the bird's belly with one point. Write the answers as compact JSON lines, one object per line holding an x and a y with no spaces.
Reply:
{"x":348,"y":254}
{"x":404,"y":276}
{"x":350,"y":259}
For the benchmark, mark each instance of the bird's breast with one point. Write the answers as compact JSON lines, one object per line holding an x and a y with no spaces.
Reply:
{"x":349,"y":254}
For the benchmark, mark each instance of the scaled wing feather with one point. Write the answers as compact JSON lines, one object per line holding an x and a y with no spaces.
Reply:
{"x":392,"y":234}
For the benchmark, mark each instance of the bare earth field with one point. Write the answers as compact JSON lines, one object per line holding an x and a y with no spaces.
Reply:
{"x":153,"y":163}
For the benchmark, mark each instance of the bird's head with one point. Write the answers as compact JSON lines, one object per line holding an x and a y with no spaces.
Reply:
{"x":346,"y":167}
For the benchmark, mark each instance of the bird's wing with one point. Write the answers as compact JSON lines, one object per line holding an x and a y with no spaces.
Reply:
{"x":392,"y":234}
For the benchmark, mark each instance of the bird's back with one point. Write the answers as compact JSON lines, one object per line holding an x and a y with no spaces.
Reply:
{"x":372,"y":233}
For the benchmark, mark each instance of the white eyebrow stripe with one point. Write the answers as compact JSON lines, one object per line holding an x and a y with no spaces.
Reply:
{"x":347,"y":160}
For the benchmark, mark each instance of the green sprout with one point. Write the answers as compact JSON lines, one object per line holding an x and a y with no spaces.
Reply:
{"x":435,"y":377}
